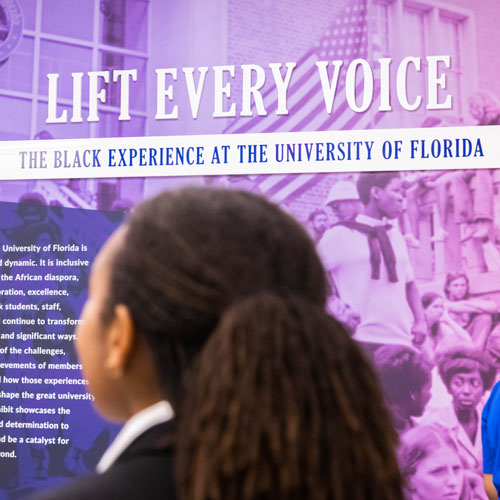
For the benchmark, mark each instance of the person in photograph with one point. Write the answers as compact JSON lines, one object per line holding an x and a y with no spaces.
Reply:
{"x":368,"y":260}
{"x":343,"y":200}
{"x":492,"y":350}
{"x":317,"y":223}
{"x":484,"y":107}
{"x":209,"y":306}
{"x":444,"y":333}
{"x":474,"y":314}
{"x":406,"y":379}
{"x":467,"y":375}
{"x":432,"y":468}
{"x":32,"y":210}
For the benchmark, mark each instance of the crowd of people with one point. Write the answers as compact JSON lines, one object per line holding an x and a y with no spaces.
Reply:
{"x":437,"y":353}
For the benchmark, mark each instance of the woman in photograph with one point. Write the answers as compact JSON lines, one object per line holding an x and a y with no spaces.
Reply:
{"x":431,"y":467}
{"x":444,"y":333}
{"x":205,"y":328}
{"x":474,"y":314}
{"x":467,"y":375}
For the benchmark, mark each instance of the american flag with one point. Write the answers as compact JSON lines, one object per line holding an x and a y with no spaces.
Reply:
{"x":348,"y":38}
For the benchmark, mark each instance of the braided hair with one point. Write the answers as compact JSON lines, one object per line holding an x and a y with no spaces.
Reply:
{"x":273,"y":399}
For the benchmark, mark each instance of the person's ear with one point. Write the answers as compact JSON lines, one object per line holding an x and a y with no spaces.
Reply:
{"x":119,"y":342}
{"x":410,"y":485}
{"x":375,"y":193}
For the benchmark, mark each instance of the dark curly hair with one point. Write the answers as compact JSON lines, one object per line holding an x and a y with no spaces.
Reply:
{"x":466,"y":360}
{"x":402,"y":372}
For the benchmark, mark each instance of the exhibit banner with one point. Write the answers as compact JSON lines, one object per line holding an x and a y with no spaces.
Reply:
{"x":375,"y":123}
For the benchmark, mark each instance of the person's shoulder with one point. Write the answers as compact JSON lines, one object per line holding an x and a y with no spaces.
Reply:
{"x":495,"y":392}
{"x":337,"y":237}
{"x":442,"y":415}
{"x":491,"y":409}
{"x":95,"y":487}
{"x":149,"y":476}
{"x":338,"y":229}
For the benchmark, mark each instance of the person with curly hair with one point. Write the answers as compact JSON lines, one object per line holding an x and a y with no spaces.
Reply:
{"x":406,"y":378}
{"x":467,"y":375}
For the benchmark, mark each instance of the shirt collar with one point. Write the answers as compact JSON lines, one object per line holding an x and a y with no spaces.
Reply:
{"x":133,"y":428}
{"x":371,"y":221}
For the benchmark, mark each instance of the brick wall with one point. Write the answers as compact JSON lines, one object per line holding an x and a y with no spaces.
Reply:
{"x":276,"y":30}
{"x":487,"y":15}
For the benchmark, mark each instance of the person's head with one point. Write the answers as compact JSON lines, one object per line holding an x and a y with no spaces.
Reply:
{"x":280,"y":390}
{"x":433,"y":305}
{"x":405,"y":378}
{"x":343,"y":200}
{"x":318,"y":221}
{"x":467,"y":374}
{"x":32,"y":207}
{"x":484,"y":107}
{"x":456,"y":286}
{"x":492,"y":350}
{"x":183,"y":257}
{"x":43,"y":135}
{"x":381,"y":192}
{"x":430,"y":464}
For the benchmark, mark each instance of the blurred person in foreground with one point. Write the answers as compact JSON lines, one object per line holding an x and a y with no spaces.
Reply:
{"x":210,"y":305}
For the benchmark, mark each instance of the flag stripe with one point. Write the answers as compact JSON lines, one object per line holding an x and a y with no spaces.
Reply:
{"x":347,"y":39}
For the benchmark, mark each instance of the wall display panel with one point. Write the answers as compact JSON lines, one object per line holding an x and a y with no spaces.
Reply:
{"x":106,"y":103}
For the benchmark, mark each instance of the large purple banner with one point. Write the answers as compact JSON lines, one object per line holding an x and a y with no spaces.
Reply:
{"x":413,"y":258}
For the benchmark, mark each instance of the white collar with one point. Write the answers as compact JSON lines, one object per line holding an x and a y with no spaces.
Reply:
{"x":135,"y":426}
{"x":371,"y":221}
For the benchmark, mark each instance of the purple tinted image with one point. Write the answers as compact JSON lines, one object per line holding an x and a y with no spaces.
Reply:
{"x":46,"y":413}
{"x":440,"y":238}
{"x":70,"y":36}
{"x":443,"y":228}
